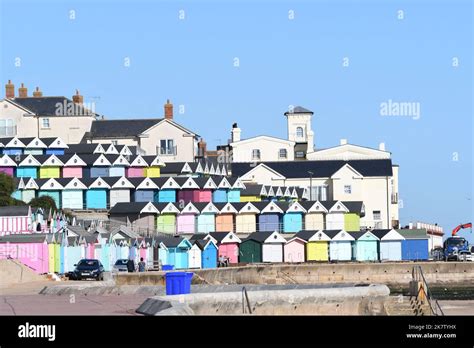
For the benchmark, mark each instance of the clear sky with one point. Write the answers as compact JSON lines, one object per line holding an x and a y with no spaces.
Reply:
{"x":130,"y":56}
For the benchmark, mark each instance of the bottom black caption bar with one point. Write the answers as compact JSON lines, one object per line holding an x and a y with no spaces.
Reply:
{"x":242,"y":330}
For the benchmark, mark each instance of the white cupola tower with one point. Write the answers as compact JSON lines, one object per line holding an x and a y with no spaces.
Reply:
{"x":299,"y":126}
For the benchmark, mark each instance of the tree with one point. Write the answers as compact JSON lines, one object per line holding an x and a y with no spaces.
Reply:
{"x":44,"y":202}
{"x":7,"y":187}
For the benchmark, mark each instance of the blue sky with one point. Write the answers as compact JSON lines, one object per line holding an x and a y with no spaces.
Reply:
{"x":283,"y":62}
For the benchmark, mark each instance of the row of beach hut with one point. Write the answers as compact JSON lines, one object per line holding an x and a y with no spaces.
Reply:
{"x":202,"y":217}
{"x":58,"y":253}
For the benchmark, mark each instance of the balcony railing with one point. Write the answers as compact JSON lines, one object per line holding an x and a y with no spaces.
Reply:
{"x":167,"y":151}
{"x":8,"y":131}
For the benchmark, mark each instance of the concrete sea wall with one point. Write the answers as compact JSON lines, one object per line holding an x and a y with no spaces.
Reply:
{"x":395,"y":275}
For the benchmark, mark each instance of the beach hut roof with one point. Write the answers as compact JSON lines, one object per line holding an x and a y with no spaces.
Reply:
{"x":413,"y":233}
{"x":266,"y":237}
{"x":24,"y":238}
{"x":223,"y":237}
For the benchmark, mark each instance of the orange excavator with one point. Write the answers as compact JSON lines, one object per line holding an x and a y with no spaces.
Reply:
{"x":456,"y":247}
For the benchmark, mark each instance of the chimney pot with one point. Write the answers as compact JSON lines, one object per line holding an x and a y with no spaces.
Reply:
{"x":78,"y":98}
{"x":382,"y":146}
{"x":343,"y":141}
{"x":168,"y":110}
{"x":22,"y":91}
{"x":10,"y":90}
{"x":37,"y":93}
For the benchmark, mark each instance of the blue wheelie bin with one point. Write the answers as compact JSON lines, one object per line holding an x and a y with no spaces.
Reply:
{"x":178,"y":282}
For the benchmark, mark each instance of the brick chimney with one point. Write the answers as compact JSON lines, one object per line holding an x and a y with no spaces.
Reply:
{"x":22,"y":91}
{"x":168,"y":110}
{"x":9,"y":90}
{"x":37,"y":93}
{"x":202,"y":148}
{"x":77,"y":98}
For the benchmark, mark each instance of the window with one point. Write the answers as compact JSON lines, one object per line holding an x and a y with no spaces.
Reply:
{"x":319,"y":193}
{"x":299,"y":132}
{"x":45,"y":122}
{"x":283,"y":153}
{"x":167,"y":147}
{"x":377,"y":215}
{"x":255,"y":154}
{"x":347,"y":189}
{"x":7,"y":127}
{"x":114,"y":142}
{"x":299,"y":154}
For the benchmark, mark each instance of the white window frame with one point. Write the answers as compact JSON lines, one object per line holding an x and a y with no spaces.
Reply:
{"x":167,"y":150}
{"x":45,"y":123}
{"x":285,"y":152}
{"x":298,"y":130}
{"x":256,"y":155}
{"x":377,"y":213}
{"x":348,"y":189}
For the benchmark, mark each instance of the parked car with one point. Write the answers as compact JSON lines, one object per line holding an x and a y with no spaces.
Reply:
{"x":89,"y":269}
{"x":120,"y":265}
{"x":465,"y":256}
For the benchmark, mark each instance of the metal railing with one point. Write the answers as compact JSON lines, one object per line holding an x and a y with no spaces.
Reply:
{"x":424,"y":291}
{"x":8,"y":131}
{"x":245,"y":300}
{"x":167,"y":151}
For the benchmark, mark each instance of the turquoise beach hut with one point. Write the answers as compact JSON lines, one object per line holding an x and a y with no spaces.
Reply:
{"x":365,"y":246}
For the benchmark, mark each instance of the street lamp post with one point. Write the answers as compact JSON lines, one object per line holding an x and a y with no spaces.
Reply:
{"x":310,"y":185}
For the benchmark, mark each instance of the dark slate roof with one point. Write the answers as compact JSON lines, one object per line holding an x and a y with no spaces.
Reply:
{"x":172,"y":167}
{"x":21,"y":210}
{"x":251,"y":190}
{"x":331,"y":233}
{"x":127,"y":207}
{"x":171,"y":242}
{"x":305,"y":235}
{"x":197,"y":236}
{"x":121,"y":128}
{"x":259,"y":236}
{"x":81,"y":148}
{"x":358,"y":234}
{"x":24,"y":238}
{"x":46,"y":106}
{"x":380,"y":232}
{"x":354,"y":206}
{"x":201,"y":243}
{"x":321,"y":169}
{"x":218,"y":236}
{"x":48,"y":141}
{"x":201,"y":182}
{"x":299,"y":110}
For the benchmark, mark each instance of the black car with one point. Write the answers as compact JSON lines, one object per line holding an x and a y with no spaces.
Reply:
{"x":87,"y":269}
